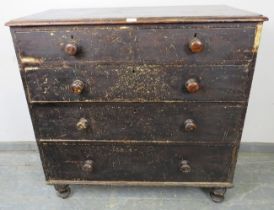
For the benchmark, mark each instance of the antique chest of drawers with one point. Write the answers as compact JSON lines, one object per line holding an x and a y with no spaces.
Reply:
{"x":138,"y":96}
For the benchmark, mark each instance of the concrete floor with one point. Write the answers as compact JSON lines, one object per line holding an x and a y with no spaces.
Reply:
{"x":22,"y":187}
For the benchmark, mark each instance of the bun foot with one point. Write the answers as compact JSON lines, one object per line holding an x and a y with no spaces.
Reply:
{"x":217,"y":194}
{"x":62,"y":191}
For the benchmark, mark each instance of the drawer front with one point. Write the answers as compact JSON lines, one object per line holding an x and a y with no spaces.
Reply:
{"x":226,"y":43}
{"x":136,"y":162}
{"x":190,"y":122}
{"x":140,"y":83}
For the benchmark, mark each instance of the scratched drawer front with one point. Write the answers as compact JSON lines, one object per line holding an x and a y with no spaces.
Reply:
{"x":139,"y":121}
{"x":144,"y":44}
{"x":139,"y":83}
{"x":93,"y":43}
{"x":136,"y":162}
{"x":221,"y":45}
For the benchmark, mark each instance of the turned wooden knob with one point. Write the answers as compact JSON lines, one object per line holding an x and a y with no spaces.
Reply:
{"x":82,"y":124}
{"x":196,"y":45}
{"x":77,"y":87}
{"x":185,"y":167}
{"x":88,"y":166}
{"x":190,"y":125}
{"x":192,"y":85}
{"x":71,"y":49}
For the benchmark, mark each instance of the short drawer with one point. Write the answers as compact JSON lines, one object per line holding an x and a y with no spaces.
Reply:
{"x":159,"y":43}
{"x":188,"y":122}
{"x":137,"y":162}
{"x":139,"y":83}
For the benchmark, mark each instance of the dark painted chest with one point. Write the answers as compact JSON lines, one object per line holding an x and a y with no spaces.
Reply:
{"x":141,"y":96}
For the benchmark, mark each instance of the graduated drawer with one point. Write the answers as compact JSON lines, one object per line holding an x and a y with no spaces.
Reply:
{"x":139,"y":83}
{"x":160,"y":43}
{"x":183,"y":122}
{"x":137,"y":162}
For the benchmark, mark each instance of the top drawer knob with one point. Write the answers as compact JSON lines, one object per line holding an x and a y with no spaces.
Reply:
{"x":196,"y":45}
{"x":77,"y":87}
{"x":71,"y":49}
{"x":192,"y":85}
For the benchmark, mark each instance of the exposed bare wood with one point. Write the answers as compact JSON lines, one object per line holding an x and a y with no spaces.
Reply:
{"x":30,"y":61}
{"x":134,"y":183}
{"x":257,"y":39}
{"x":138,"y":96}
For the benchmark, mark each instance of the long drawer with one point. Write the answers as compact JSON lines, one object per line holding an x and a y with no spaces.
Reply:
{"x":190,"y":122}
{"x":137,"y":162}
{"x":139,"y":83}
{"x":222,"y":44}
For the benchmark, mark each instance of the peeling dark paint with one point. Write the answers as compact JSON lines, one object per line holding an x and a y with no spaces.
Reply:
{"x":129,"y":118}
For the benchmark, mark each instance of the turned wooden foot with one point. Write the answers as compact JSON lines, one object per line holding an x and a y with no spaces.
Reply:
{"x":217,"y":194}
{"x":63,"y":191}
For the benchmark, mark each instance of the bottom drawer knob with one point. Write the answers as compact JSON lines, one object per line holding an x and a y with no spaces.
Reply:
{"x":185,"y":167}
{"x":88,"y":166}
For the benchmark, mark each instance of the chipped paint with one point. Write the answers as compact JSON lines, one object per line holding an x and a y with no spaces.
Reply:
{"x":124,"y":27}
{"x":257,"y":37}
{"x":142,"y":183}
{"x":31,"y":68}
{"x":31,"y":61}
{"x":151,"y":83}
{"x":134,"y":74}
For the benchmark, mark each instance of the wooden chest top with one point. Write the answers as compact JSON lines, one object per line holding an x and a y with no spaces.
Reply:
{"x":139,"y":15}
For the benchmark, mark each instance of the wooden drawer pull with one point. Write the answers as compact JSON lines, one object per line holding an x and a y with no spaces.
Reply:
{"x":192,"y":85}
{"x":71,"y":49}
{"x":196,"y":45}
{"x":88,"y":166}
{"x":82,"y":124}
{"x":77,"y":87}
{"x":185,"y":167}
{"x":190,"y":125}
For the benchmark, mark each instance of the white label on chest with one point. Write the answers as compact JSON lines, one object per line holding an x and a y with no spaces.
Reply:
{"x":130,"y":20}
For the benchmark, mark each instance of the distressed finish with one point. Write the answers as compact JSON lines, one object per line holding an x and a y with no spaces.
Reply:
{"x":142,"y":83}
{"x":138,"y":162}
{"x":139,"y":15}
{"x":138,"y":96}
{"x":216,"y":122}
{"x":139,"y":44}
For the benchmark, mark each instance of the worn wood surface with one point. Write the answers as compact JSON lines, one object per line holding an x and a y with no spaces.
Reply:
{"x":139,"y":15}
{"x":136,"y":162}
{"x":216,"y":122}
{"x":111,"y":83}
{"x":138,"y":44}
{"x":208,"y":184}
{"x":128,"y":124}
